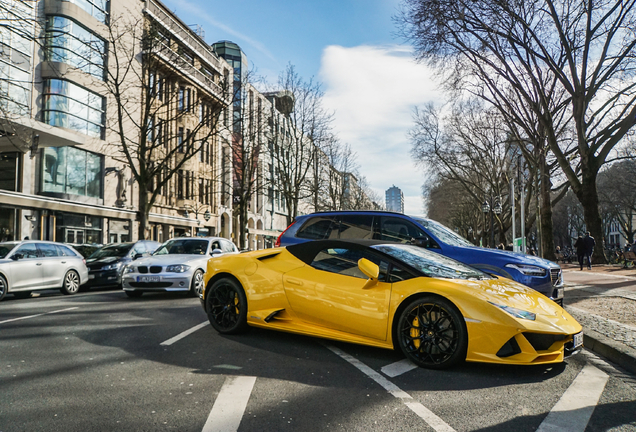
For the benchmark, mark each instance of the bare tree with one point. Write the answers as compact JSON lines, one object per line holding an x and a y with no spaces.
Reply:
{"x":296,"y":145}
{"x":586,"y":48}
{"x":617,"y":195}
{"x":163,"y":118}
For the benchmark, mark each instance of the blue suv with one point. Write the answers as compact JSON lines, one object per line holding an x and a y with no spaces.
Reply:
{"x":537,"y":273}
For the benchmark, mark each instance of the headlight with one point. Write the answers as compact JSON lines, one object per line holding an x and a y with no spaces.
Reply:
{"x":517,"y":313}
{"x":114,"y":266}
{"x":177,"y":268}
{"x":528,"y":270}
{"x":129,"y":269}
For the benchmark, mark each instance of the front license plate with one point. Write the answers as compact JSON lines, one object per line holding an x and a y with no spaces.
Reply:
{"x":148,"y":278}
{"x":578,"y":340}
{"x":560,"y":292}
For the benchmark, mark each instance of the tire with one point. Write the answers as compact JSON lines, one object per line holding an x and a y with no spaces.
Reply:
{"x":134,"y":294}
{"x":226,"y":306}
{"x":22,"y":294}
{"x":71,"y":283}
{"x":196,"y":286}
{"x":432,"y":334}
{"x":4,"y":287}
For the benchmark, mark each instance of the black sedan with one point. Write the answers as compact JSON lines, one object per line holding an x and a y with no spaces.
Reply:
{"x":105,"y":265}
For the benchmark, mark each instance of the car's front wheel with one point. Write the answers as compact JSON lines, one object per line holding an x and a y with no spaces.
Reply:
{"x":196,"y":286}
{"x":4,"y":287}
{"x":226,"y":306}
{"x":71,"y":283}
{"x":432,"y":334}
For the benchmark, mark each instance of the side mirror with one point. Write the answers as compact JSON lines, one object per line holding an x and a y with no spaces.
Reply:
{"x":137,"y":256}
{"x":217,"y":252}
{"x":424,"y":242}
{"x":17,"y":256}
{"x":370,"y":270}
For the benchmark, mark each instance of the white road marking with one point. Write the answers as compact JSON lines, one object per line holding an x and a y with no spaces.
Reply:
{"x":574,"y":409}
{"x":184,"y":334}
{"x":33,"y":316}
{"x":424,"y":413}
{"x":230,"y":404}
{"x":398,"y":368}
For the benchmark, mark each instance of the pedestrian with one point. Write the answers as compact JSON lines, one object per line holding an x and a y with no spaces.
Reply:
{"x":589,"y":242}
{"x":580,"y":250}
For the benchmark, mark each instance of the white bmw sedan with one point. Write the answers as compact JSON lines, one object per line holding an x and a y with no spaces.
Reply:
{"x":177,"y":265}
{"x":32,"y":265}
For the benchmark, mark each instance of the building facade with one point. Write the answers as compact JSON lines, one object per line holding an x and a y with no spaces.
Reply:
{"x":394,"y":199}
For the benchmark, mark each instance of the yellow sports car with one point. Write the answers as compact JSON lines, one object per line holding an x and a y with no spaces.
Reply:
{"x":438,"y":311}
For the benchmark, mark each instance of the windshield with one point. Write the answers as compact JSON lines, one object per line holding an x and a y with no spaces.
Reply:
{"x":186,"y":246}
{"x":119,"y":250}
{"x":443,"y":234}
{"x":5,"y":248}
{"x":431,"y":263}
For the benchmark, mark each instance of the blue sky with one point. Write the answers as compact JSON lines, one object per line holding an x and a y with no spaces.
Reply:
{"x":370,"y":80}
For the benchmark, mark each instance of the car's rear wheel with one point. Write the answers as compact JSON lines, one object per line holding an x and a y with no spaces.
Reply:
{"x":226,"y":306}
{"x":134,"y":294}
{"x":71,"y":283}
{"x":196,"y":286}
{"x":4,"y":287}
{"x":432,"y":334}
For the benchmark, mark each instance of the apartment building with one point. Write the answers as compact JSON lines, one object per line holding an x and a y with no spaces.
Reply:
{"x":64,"y":172}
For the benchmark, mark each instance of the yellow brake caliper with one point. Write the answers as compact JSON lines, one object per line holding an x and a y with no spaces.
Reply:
{"x":416,"y":332}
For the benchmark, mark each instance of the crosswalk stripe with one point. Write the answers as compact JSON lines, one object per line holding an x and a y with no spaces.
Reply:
{"x":574,"y":409}
{"x":230,"y":404}
{"x":398,"y":368}
{"x":34,"y":316}
{"x":184,"y":334}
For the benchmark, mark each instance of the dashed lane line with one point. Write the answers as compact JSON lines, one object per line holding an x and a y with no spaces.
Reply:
{"x":573,"y":411}
{"x":184,"y":334}
{"x":398,"y":368}
{"x":34,"y":316}
{"x":424,"y":413}
{"x":230,"y":404}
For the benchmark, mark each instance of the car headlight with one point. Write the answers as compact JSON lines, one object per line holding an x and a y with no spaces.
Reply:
{"x":528,"y":270}
{"x":177,"y":268}
{"x":129,"y":269}
{"x":114,"y":266}
{"x":517,"y":313}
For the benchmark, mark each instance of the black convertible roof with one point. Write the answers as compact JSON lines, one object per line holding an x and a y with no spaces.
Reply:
{"x":308,"y":250}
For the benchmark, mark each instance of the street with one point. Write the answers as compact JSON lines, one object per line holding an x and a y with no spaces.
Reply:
{"x":101,"y":361}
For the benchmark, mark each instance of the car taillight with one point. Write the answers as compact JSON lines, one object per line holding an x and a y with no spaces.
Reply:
{"x":277,"y":243}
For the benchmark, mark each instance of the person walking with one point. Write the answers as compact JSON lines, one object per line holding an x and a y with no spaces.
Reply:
{"x":589,"y":243}
{"x":580,"y":250}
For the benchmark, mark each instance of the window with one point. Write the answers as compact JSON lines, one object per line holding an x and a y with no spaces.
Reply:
{"x":181,"y":99}
{"x":27,"y":250}
{"x":68,"y":42}
{"x":188,"y":100}
{"x":180,"y":185}
{"x":318,"y":228}
{"x":180,"y":147}
{"x":70,"y":106}
{"x":399,"y":230}
{"x":356,"y":227}
{"x":201,"y":190}
{"x":96,"y":8}
{"x":345,"y":262}
{"x":228,"y":247}
{"x":72,"y":171}
{"x":48,"y":250}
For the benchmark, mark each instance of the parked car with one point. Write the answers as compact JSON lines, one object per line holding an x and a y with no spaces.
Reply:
{"x":537,"y":273}
{"x":85,"y":249}
{"x":437,"y":311}
{"x":31,"y":265}
{"x":177,"y":265}
{"x":106,"y":265}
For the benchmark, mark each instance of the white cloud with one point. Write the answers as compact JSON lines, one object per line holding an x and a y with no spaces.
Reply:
{"x":373,"y":90}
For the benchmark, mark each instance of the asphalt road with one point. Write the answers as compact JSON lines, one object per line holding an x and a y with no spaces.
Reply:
{"x":99,"y":361}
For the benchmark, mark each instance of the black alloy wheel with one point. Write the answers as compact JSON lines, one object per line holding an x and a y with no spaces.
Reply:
{"x":71,"y":283}
{"x":4,"y":287}
{"x":432,"y":334}
{"x":226,"y":306}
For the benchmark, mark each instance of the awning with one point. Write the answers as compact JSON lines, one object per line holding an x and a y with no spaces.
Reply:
{"x":20,"y":130}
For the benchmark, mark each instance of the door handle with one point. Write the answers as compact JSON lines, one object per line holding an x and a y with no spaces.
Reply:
{"x":294,"y":282}
{"x":38,"y":263}
{"x":63,"y":262}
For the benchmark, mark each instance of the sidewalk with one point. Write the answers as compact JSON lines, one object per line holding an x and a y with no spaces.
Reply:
{"x":603,"y":300}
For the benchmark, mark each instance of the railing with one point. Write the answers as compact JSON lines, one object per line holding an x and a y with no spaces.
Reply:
{"x":187,"y":36}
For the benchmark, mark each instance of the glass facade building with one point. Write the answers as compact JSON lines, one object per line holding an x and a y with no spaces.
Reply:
{"x":96,"y":8}
{"x":233,"y":54}
{"x":71,"y":106}
{"x":71,"y":171}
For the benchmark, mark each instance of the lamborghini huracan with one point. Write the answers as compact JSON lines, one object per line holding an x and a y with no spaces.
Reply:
{"x":437,"y":311}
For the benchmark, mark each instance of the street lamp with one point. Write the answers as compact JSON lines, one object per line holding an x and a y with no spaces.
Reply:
{"x":197,"y":209}
{"x":494,"y":208}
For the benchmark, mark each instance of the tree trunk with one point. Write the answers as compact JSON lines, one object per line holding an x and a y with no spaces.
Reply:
{"x":144,"y":209}
{"x":547,"y":235}
{"x":588,"y":196}
{"x":242,"y":225}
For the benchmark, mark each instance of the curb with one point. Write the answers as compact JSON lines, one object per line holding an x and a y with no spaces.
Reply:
{"x":614,"y":351}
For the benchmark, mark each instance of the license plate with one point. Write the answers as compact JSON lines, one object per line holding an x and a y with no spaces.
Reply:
{"x":90,"y":276}
{"x":560,"y":292}
{"x":578,"y":340}
{"x":148,"y":278}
